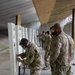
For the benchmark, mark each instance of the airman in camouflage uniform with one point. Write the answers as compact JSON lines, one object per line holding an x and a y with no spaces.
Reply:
{"x":40,"y":39}
{"x":43,"y":38}
{"x":33,"y":58}
{"x":59,"y":50}
{"x":47,"y":48}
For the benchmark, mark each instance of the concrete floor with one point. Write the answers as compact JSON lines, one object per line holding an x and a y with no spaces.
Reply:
{"x":4,"y":63}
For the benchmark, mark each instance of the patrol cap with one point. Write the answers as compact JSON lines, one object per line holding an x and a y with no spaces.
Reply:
{"x":57,"y":26}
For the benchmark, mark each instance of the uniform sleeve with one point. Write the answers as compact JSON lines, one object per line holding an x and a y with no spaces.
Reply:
{"x":29,"y":58}
{"x":23,"y":55}
{"x":49,"y":42}
{"x":71,"y":51}
{"x":55,"y":50}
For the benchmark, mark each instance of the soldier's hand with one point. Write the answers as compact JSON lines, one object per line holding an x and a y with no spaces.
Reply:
{"x":18,"y":55}
{"x":19,"y":60}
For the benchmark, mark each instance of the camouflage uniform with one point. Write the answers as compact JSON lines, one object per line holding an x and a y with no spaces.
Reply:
{"x":71,"y":52}
{"x":40,"y":39}
{"x":33,"y":59}
{"x":59,"y":55}
{"x":43,"y":40}
{"x":47,"y":48}
{"x":71,"y":47}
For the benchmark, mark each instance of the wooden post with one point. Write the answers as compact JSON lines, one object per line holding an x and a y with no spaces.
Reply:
{"x":73,"y":25}
{"x":18,"y":19}
{"x":18,"y":23}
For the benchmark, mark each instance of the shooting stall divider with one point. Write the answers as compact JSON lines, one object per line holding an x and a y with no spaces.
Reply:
{"x":12,"y":47}
{"x":16,"y":33}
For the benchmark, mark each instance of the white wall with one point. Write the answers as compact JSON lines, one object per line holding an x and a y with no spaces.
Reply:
{"x":33,"y":25}
{"x":68,"y":29}
{"x":46,"y":27}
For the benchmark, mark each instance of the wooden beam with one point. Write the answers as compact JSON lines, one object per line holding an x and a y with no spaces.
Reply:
{"x":44,"y":9}
{"x":18,"y":19}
